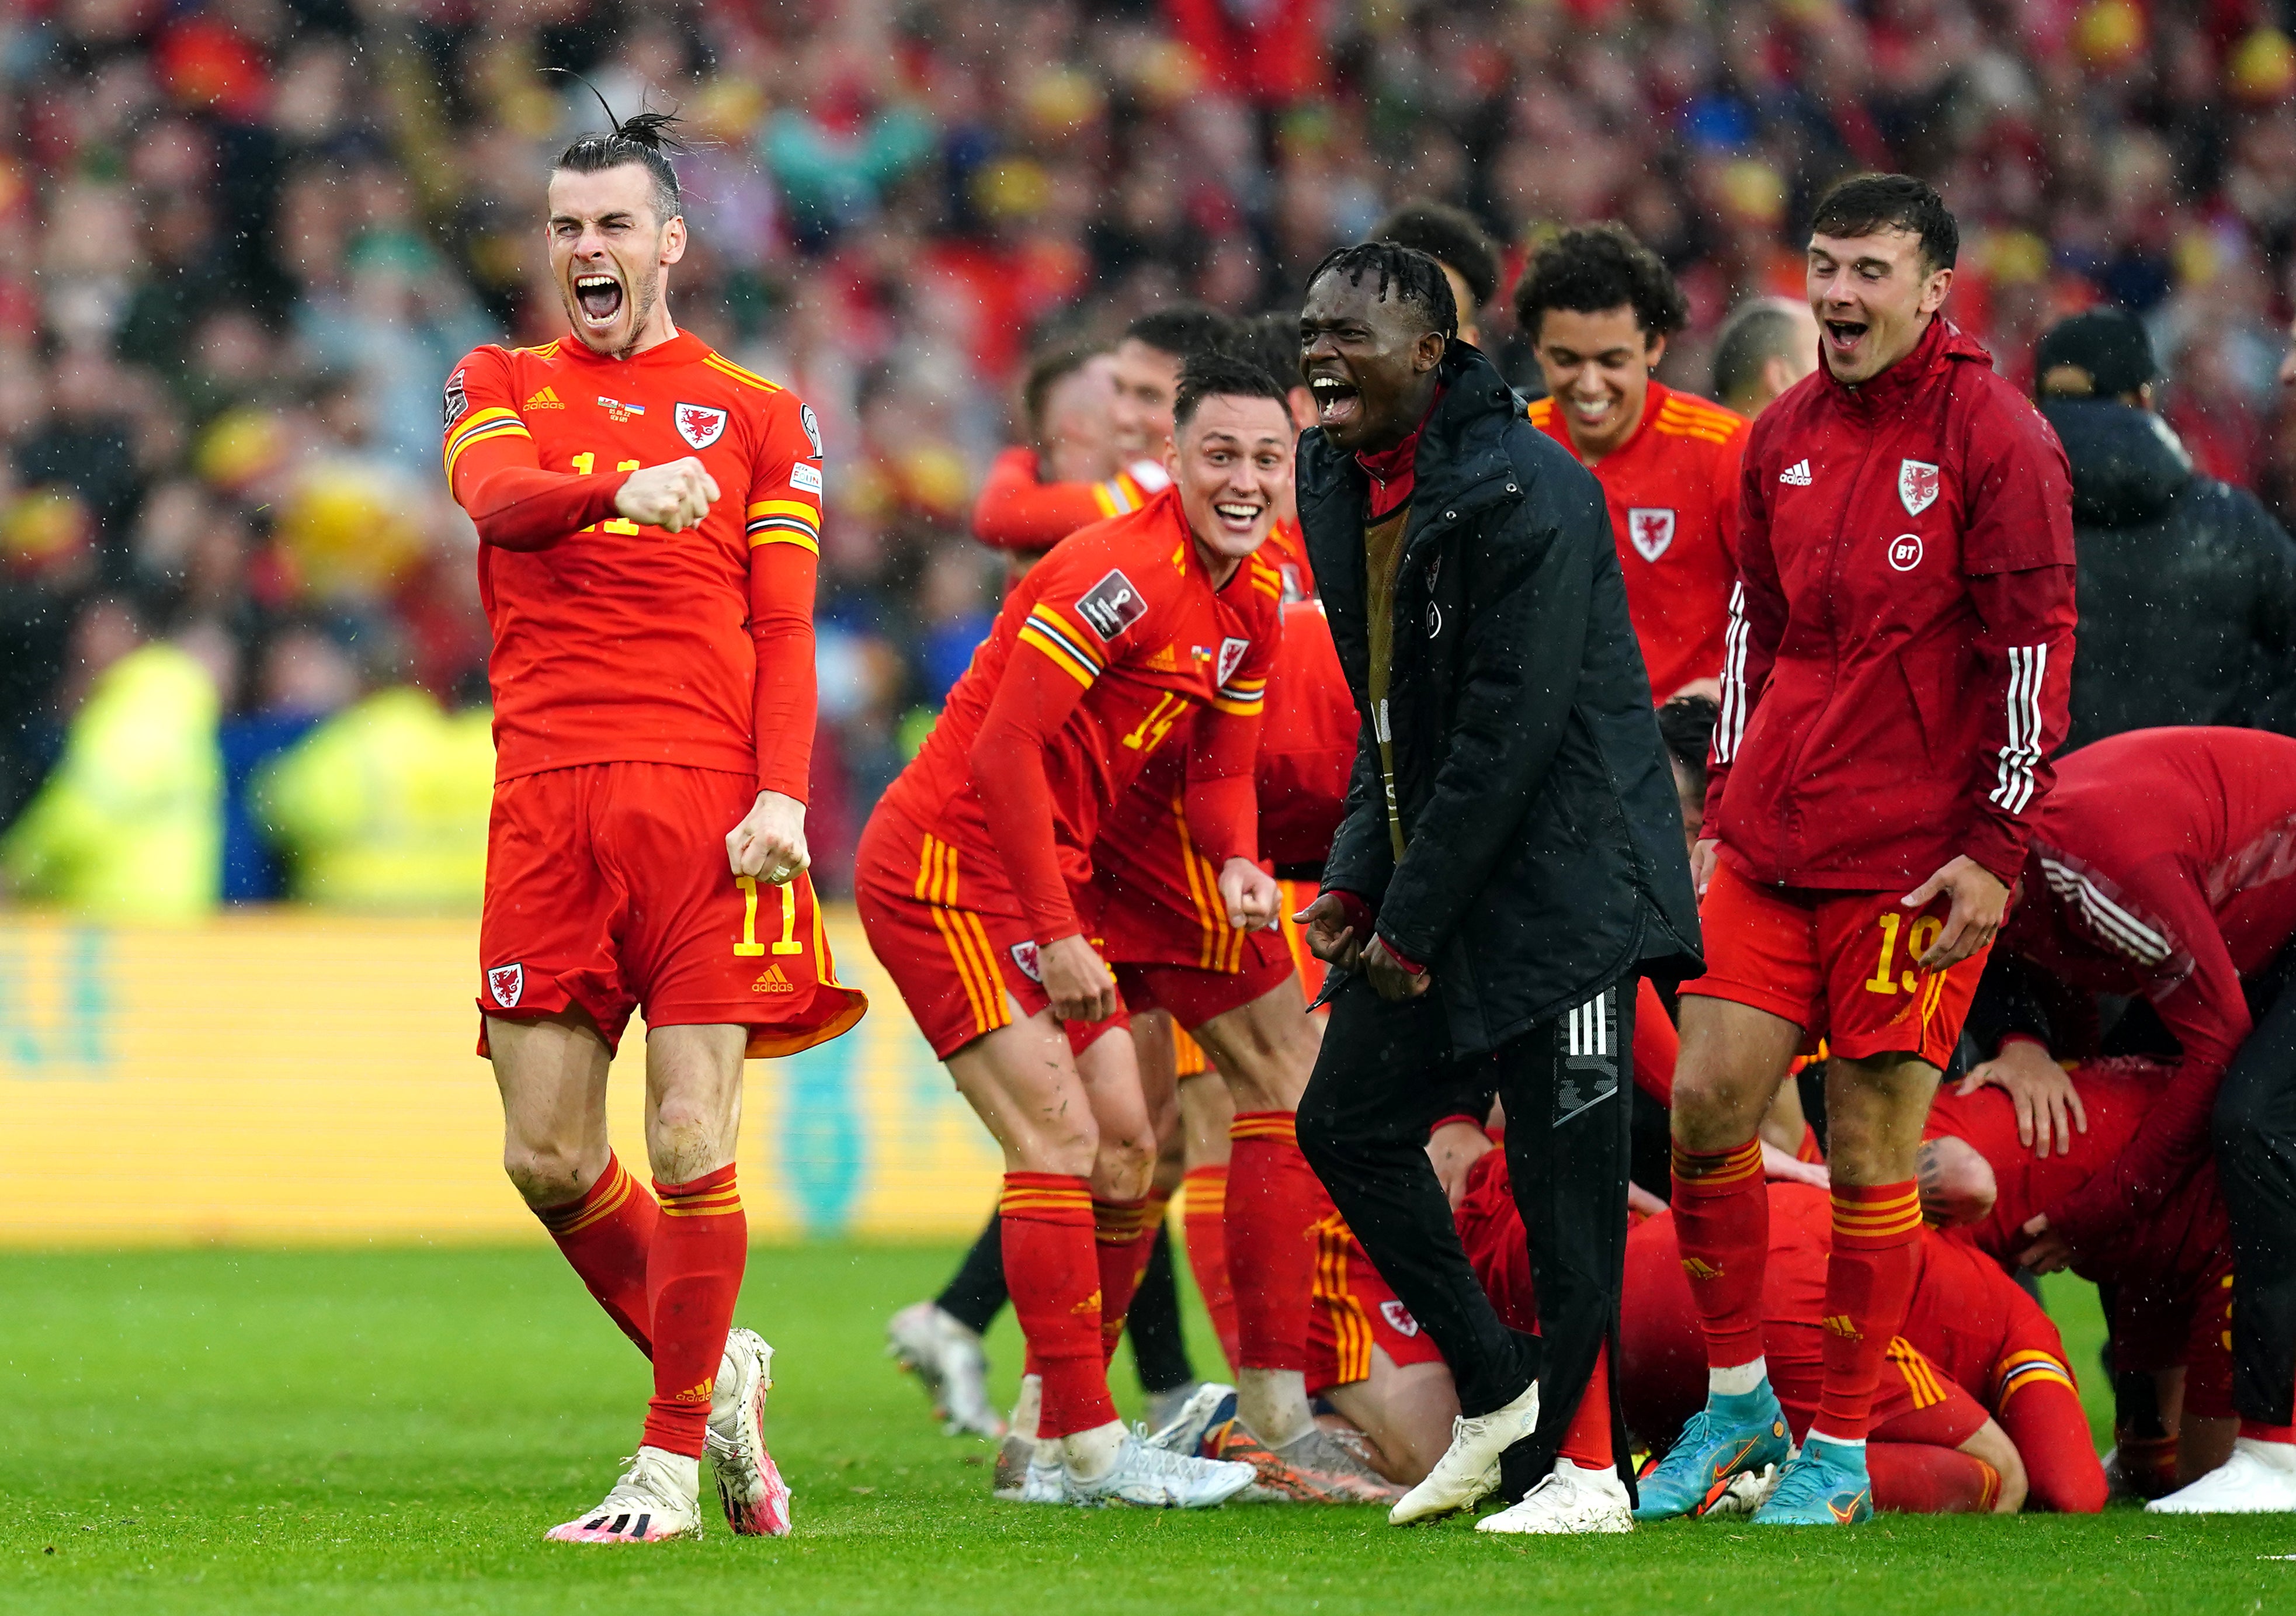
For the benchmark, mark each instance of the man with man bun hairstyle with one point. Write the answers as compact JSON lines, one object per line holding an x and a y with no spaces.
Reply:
{"x":649,"y":518}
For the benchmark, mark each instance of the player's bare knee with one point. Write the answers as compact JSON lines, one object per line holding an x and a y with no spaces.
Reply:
{"x":547,"y":1173}
{"x":1123,"y":1166}
{"x":1715,"y":1107}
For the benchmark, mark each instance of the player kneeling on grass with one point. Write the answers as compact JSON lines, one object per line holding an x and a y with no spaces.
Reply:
{"x":1144,"y":631}
{"x":653,"y":691}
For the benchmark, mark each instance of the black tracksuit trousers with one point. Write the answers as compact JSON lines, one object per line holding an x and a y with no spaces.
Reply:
{"x":2255,"y":1125}
{"x":1385,"y":1076}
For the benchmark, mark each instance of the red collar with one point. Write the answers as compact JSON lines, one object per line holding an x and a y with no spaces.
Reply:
{"x":1394,"y":470}
{"x":684,"y":348}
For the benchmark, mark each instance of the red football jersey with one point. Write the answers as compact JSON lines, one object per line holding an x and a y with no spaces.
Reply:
{"x":1157,"y":894}
{"x":1126,"y":609}
{"x":1672,"y":488}
{"x":1015,"y":512}
{"x":622,"y":643}
{"x":2166,"y":1250}
{"x":2165,"y":865}
{"x":1900,"y":646}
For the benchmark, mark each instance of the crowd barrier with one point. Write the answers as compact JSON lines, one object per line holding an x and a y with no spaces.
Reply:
{"x":284,"y":1076}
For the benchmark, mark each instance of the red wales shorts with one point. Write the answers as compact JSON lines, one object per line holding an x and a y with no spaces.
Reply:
{"x":1195,"y":997}
{"x":1839,"y":965}
{"x":963,"y":972}
{"x":1351,"y":1311}
{"x":606,"y":887}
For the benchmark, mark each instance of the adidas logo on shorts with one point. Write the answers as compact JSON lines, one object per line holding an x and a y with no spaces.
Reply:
{"x":772,"y":981}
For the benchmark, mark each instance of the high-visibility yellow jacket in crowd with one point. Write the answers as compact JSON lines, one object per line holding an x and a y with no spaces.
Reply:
{"x":384,"y":806}
{"x":130,"y":825}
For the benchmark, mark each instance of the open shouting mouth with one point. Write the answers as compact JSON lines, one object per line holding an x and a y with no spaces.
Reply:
{"x":600,"y":298}
{"x":1336,"y":399}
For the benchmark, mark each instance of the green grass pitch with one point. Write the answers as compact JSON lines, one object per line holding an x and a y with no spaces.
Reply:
{"x":392,"y":1431}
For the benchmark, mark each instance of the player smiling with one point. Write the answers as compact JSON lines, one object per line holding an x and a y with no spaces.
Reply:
{"x":1153,"y":629}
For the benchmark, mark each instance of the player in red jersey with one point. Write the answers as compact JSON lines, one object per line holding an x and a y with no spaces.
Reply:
{"x":2164,"y":866}
{"x":648,"y":516}
{"x":2166,"y":1277}
{"x":1898,"y":662}
{"x":1598,"y":308}
{"x":1023,"y":509}
{"x":1152,"y":629}
{"x":1977,"y":1410}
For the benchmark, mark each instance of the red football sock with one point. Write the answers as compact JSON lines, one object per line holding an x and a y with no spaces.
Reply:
{"x":1203,"y":1215}
{"x":606,"y":1234}
{"x":693,"y":1272}
{"x":1915,"y":1479}
{"x":2257,"y":1430}
{"x":1586,"y":1439}
{"x":1123,"y":1235}
{"x":2042,"y":1414}
{"x":1868,"y":1282}
{"x":1274,"y":1203}
{"x":1722,"y":1225}
{"x":1052,"y":1271}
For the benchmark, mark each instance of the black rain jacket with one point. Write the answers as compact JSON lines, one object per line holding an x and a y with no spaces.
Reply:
{"x":2187,"y":585}
{"x":1544,"y":857}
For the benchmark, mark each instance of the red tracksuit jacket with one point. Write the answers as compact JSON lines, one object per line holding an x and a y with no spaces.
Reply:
{"x":1901,"y":637}
{"x":2165,"y":865}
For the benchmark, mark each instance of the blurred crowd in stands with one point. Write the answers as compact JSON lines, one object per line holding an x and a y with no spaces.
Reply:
{"x":239,"y":612}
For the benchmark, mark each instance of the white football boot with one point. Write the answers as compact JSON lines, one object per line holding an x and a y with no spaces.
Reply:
{"x":950,"y":1363}
{"x":2259,"y":1479}
{"x":749,"y":1485}
{"x":1185,"y":1430}
{"x":1468,"y":1473}
{"x":1568,"y":1501}
{"x":659,"y":1496}
{"x":1744,"y":1493}
{"x":1151,"y":1477}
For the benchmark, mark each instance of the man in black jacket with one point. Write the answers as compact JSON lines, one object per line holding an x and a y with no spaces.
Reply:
{"x":2187,"y":586}
{"x":1511,"y":859}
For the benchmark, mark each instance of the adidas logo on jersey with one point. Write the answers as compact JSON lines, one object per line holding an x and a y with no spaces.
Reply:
{"x":546,"y":399}
{"x":772,"y":981}
{"x":1796,"y":475}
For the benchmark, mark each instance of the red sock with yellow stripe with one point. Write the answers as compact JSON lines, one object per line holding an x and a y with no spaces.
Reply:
{"x":1052,"y":1272}
{"x":693,"y":1272}
{"x":605,"y":1236}
{"x":1275,"y":1201}
{"x":1877,"y":1229}
{"x":1722,"y":1226}
{"x":1203,"y":1215}
{"x":1916,"y":1478}
{"x":1123,"y":1237}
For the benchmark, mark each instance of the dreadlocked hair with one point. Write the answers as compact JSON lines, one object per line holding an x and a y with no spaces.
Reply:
{"x":645,"y":138}
{"x":1418,"y":279}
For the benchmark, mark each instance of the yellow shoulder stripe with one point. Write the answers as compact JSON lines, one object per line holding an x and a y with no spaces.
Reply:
{"x":718,"y":362}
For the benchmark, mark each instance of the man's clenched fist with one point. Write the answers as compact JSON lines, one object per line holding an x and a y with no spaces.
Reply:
{"x":675,"y":497}
{"x":769,"y":843}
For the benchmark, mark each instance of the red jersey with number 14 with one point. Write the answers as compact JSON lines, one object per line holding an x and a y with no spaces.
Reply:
{"x":1125,"y":608}
{"x":623,"y":643}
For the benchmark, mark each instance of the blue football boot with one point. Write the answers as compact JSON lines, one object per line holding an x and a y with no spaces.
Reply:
{"x":1824,"y":1485}
{"x":1731,"y":1436}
